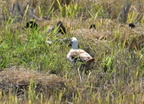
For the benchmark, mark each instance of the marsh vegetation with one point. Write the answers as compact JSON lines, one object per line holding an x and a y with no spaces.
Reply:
{"x":35,"y":72}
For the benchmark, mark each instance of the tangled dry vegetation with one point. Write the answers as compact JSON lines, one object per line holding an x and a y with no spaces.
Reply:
{"x":26,"y":60}
{"x":20,"y":81}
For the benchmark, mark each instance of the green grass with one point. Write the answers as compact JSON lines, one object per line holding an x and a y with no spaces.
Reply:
{"x":122,"y":83}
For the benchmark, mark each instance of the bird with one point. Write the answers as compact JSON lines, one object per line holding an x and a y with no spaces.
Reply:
{"x":60,"y":28}
{"x":132,"y":25}
{"x":31,"y":24}
{"x":76,"y":54}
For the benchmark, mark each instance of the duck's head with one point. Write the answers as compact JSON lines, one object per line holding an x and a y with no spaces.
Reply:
{"x":74,"y":43}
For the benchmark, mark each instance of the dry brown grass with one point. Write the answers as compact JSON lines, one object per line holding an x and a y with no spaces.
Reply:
{"x":109,"y":31}
{"x":18,"y":80}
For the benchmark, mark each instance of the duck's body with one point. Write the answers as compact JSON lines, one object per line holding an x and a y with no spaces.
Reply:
{"x":78,"y":55}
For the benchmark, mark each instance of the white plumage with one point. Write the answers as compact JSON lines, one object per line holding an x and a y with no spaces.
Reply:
{"x":76,"y":54}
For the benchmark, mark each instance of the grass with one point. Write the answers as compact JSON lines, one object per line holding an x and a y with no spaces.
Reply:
{"x":117,"y":75}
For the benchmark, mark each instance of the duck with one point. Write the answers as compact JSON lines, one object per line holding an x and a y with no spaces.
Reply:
{"x":76,"y":54}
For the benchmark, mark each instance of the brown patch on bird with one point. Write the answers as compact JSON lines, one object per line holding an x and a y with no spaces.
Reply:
{"x":76,"y":55}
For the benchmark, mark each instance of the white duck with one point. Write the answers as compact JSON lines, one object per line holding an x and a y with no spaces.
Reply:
{"x":76,"y":54}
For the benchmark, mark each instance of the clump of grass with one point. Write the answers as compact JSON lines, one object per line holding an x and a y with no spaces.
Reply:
{"x":30,"y":84}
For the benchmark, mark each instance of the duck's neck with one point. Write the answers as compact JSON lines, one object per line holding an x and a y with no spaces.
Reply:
{"x":75,"y":45}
